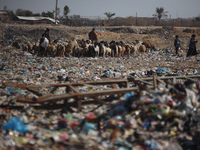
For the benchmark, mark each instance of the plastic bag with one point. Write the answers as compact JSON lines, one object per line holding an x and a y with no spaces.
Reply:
{"x":45,"y":43}
{"x":15,"y":123}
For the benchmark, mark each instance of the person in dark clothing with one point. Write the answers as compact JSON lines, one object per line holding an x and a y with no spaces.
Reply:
{"x":42,"y":49}
{"x":46,"y":33}
{"x":192,"y":47}
{"x":177,"y":44}
{"x":93,"y":36}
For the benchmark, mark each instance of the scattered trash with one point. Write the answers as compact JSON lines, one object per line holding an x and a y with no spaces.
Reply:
{"x":165,"y":116}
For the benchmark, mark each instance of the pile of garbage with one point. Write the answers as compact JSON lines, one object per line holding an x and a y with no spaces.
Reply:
{"x":166,"y":118}
{"x":122,"y":30}
{"x":165,"y":31}
{"x":158,"y":120}
{"x":12,"y":33}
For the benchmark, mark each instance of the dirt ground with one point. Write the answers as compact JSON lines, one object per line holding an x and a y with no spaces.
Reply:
{"x":161,"y":37}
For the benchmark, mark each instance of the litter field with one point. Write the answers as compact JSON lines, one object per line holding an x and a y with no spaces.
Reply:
{"x":148,"y":101}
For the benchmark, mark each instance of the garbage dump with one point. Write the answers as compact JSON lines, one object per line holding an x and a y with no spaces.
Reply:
{"x":149,"y":101}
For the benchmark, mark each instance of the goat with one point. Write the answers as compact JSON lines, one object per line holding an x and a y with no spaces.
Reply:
{"x":114,"y":48}
{"x":60,"y":50}
{"x":51,"y":50}
{"x":79,"y":51}
{"x":70,"y":47}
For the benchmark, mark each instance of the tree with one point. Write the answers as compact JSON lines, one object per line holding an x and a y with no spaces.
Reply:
{"x":28,"y":13}
{"x":109,"y":15}
{"x":197,"y":18}
{"x":36,"y":14}
{"x":5,"y":8}
{"x":160,"y":13}
{"x":21,"y":12}
{"x":75,"y":17}
{"x":66,"y":11}
{"x":48,"y":14}
{"x":11,"y":14}
{"x":58,"y":11}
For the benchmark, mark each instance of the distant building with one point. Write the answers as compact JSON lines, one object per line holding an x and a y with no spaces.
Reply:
{"x":4,"y":17}
{"x":36,"y":20}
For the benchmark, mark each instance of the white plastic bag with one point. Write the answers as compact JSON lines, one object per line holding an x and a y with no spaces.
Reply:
{"x":45,"y":43}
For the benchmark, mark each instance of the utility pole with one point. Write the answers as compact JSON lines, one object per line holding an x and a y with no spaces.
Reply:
{"x":176,"y":14}
{"x":136,"y":19}
{"x":56,"y":11}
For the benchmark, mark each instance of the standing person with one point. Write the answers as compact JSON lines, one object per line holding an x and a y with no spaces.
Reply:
{"x":42,"y":48}
{"x":177,"y":44}
{"x":46,"y":33}
{"x":93,"y":36}
{"x":192,"y":46}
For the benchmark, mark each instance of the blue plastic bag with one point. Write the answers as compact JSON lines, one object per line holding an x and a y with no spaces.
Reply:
{"x":161,"y":70}
{"x":88,"y":126}
{"x":10,"y":90}
{"x":129,"y":95}
{"x":15,"y":123}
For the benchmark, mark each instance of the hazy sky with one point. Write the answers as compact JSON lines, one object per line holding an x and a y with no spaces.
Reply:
{"x":121,"y":8}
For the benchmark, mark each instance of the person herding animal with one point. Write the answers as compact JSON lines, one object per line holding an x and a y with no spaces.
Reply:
{"x":93,"y":36}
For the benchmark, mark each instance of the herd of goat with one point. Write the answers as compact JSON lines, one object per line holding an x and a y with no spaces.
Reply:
{"x":86,"y":48}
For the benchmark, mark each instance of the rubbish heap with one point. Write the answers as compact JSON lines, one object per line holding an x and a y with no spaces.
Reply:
{"x":164,"y":118}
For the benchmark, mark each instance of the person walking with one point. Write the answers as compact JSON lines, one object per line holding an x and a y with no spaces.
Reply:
{"x":192,"y":46}
{"x":177,"y":44}
{"x":93,"y":36}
